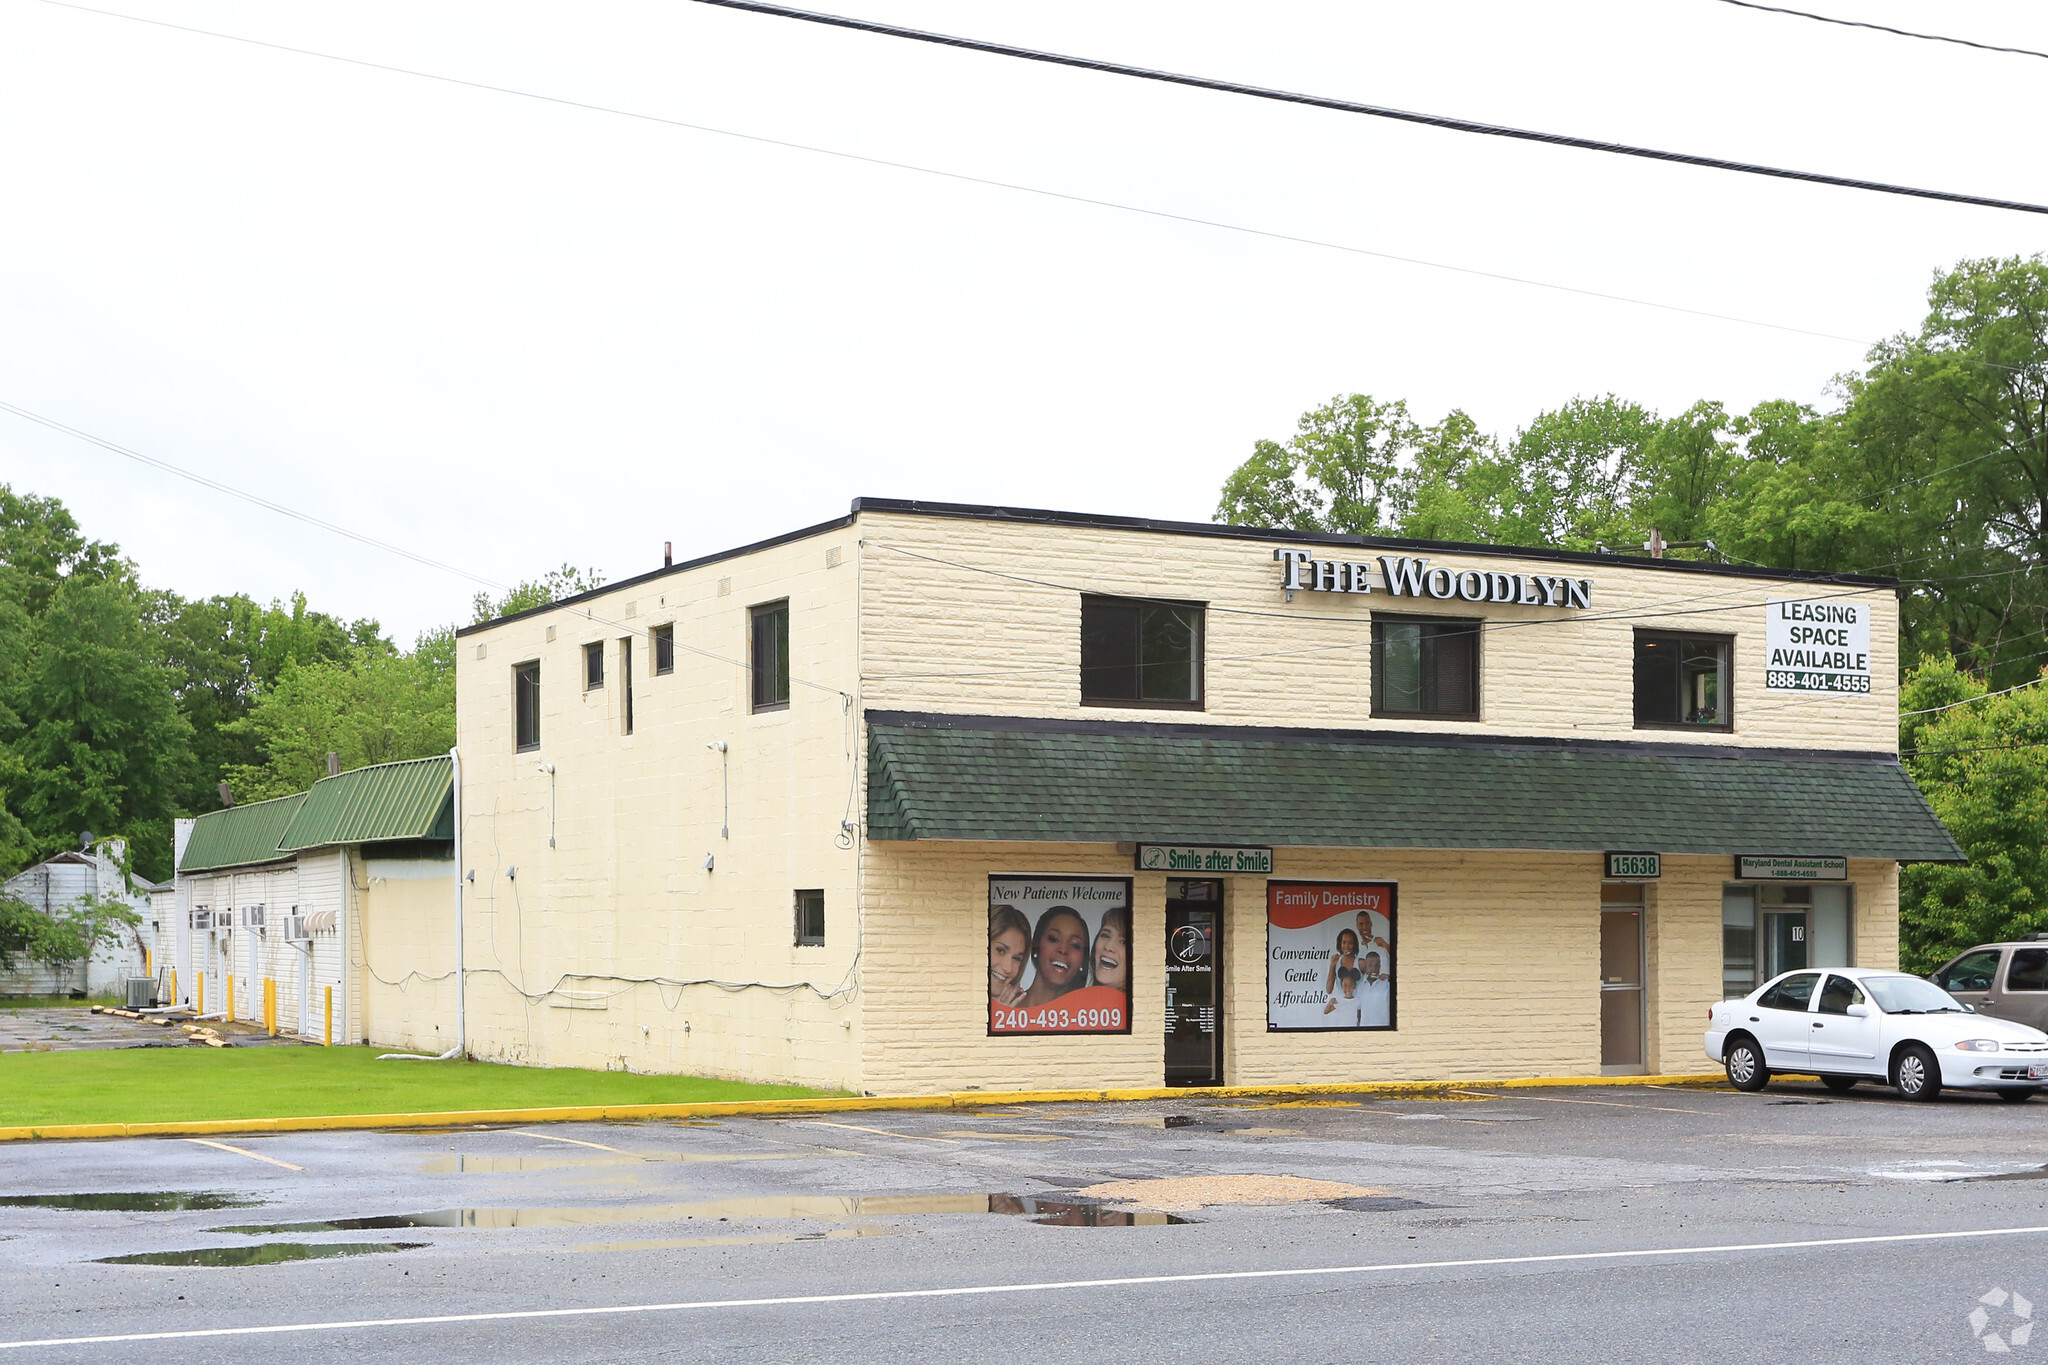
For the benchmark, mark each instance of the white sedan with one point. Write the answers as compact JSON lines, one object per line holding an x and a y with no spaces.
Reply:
{"x":1850,"y":1024}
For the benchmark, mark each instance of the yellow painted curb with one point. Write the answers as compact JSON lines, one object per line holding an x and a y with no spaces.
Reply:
{"x":967,"y":1099}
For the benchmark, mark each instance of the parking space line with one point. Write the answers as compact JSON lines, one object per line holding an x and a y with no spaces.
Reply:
{"x":244,"y":1151}
{"x":550,"y":1137}
{"x":1038,"y":1287}
{"x":883,"y":1132}
{"x":1611,"y":1104}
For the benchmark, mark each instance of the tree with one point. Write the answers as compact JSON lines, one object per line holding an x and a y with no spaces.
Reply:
{"x":1338,"y":472}
{"x":552,"y":586}
{"x":376,"y":706}
{"x":1983,"y":766}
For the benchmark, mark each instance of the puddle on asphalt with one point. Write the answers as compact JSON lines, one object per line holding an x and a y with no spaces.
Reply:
{"x":2031,"y":1173}
{"x":1158,"y":1121}
{"x":131,"y":1201}
{"x":270,"y":1253}
{"x":664,"y":1243}
{"x":1056,"y":1212}
{"x":1379,"y":1203}
{"x":462,"y":1164}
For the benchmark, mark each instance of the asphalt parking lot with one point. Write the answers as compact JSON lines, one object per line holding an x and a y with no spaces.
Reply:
{"x":1630,"y":1223}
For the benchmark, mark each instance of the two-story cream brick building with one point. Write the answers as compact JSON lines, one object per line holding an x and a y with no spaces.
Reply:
{"x":935,"y":797}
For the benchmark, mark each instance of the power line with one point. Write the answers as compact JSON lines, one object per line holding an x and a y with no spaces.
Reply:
{"x":1886,"y":28}
{"x":204,"y":481}
{"x":984,"y":181}
{"x":1456,"y":125}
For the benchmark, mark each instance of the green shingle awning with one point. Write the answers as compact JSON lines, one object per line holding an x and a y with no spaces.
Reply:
{"x":1016,"y":779}
{"x":413,"y":799}
{"x":239,"y":835}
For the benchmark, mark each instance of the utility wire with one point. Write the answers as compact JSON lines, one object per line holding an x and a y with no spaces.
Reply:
{"x":167,"y":467}
{"x":1456,"y":125}
{"x":964,"y":178}
{"x":1886,"y":28}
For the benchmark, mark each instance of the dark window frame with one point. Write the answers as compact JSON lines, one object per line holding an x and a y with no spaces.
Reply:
{"x":626,"y":682}
{"x":593,"y":665}
{"x":1726,"y":725}
{"x":1197,"y":664}
{"x":805,"y":899}
{"x":662,"y":643}
{"x":1475,"y":624}
{"x":525,"y":707}
{"x":765,"y":698}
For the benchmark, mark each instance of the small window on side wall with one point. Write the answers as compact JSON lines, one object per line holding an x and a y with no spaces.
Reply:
{"x":664,"y":638}
{"x":1139,"y":653}
{"x":593,"y":665}
{"x":526,"y":706}
{"x":1425,"y":668}
{"x":810,"y":918}
{"x":1682,"y":682}
{"x":769,"y":654}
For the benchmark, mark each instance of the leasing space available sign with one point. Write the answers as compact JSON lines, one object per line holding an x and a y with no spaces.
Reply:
{"x":1821,"y":646}
{"x":1789,"y":867}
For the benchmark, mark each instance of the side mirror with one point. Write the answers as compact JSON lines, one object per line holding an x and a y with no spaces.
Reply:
{"x":1858,"y":1011}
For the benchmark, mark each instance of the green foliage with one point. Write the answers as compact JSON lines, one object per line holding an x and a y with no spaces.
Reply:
{"x":1983,"y":766}
{"x":552,"y":586}
{"x":375,"y":706}
{"x":62,"y":937}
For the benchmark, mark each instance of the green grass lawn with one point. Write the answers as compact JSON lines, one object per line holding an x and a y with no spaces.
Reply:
{"x":53,"y":1002}
{"x":158,"y":1085}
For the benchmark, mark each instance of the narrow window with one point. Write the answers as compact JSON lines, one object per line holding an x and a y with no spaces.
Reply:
{"x":1425,"y":668}
{"x":770,"y":630}
{"x":526,"y":706}
{"x":1136,"y":653}
{"x":664,"y":648}
{"x":810,"y":918}
{"x":1682,"y":681}
{"x":593,"y":665}
{"x":626,"y":680}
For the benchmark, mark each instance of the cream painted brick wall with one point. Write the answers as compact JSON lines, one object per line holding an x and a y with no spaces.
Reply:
{"x":560,"y":955}
{"x":408,"y":936}
{"x":978,"y":631}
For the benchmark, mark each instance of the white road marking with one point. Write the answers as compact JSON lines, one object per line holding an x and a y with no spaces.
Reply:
{"x":965,"y":1291}
{"x":883,"y":1132}
{"x":244,"y":1151}
{"x":1611,"y":1104}
{"x":550,"y":1137}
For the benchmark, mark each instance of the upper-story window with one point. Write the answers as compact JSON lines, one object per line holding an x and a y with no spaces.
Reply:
{"x":1682,"y":681}
{"x":768,"y":626}
{"x":1424,"y":667}
{"x":526,"y":705}
{"x":664,"y":638}
{"x":593,"y":665}
{"x":1141,"y":653}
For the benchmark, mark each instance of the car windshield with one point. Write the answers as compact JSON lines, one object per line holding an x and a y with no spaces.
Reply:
{"x":1909,"y":995}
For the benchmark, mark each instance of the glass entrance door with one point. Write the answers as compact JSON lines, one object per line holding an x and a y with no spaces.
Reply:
{"x":1194,"y":982}
{"x":1621,"y":979}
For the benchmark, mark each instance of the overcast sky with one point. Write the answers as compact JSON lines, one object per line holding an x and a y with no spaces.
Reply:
{"x":509,"y":334}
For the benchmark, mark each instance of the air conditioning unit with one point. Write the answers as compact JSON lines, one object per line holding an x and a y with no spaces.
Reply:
{"x":295,"y":930}
{"x":202,"y":918}
{"x":252,"y":917}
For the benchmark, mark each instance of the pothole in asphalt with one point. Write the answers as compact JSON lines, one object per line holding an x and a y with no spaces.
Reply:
{"x":269,"y":1253}
{"x":1381,"y":1203}
{"x":1053,"y":1212}
{"x":133,"y":1201}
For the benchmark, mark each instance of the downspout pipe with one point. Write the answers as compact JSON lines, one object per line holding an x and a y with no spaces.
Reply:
{"x":461,"y":975}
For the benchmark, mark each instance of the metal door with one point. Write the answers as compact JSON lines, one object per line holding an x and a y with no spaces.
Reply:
{"x":1840,"y":1042}
{"x":1784,"y":941}
{"x":1194,"y":982}
{"x":1782,"y":1020}
{"x":1621,"y":991}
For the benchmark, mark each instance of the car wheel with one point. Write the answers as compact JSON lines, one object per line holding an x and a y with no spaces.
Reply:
{"x":1838,"y":1084}
{"x":1746,"y":1069}
{"x":1917,"y":1074}
{"x":2018,"y":1096}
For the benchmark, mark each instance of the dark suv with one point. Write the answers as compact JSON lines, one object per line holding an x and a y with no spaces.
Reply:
{"x":2005,"y":980}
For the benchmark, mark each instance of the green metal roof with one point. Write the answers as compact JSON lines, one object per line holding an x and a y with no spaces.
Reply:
{"x":240,"y":835}
{"x":413,"y":799}
{"x":1011,"y":779}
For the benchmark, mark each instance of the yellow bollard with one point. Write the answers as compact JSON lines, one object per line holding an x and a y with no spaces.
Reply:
{"x":174,"y":985}
{"x":201,"y":1010}
{"x":148,"y":964}
{"x":231,"y":998}
{"x":270,"y":1006}
{"x":329,"y":1041}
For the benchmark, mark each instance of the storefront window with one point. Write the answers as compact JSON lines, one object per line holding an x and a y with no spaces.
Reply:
{"x":1425,"y":668}
{"x":1769,"y":929}
{"x":1137,"y":653}
{"x":1682,"y":680}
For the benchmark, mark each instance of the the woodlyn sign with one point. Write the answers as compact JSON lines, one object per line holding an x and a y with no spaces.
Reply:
{"x":1411,"y":576}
